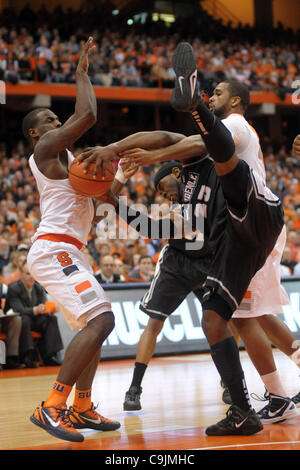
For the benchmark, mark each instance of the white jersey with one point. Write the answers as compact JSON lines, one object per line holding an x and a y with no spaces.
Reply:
{"x":246,"y":141}
{"x":63,"y":211}
{"x":265,"y":295}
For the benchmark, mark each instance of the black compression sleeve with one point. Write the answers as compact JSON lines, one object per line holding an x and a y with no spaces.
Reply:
{"x":217,"y":137}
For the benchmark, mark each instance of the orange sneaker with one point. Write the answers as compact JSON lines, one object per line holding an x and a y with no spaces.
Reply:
{"x":56,"y":421}
{"x":91,"y":419}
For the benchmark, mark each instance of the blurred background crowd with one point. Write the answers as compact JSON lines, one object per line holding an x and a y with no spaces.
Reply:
{"x":44,"y":46}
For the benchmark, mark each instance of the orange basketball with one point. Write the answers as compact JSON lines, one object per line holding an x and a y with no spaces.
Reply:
{"x":85,"y":183}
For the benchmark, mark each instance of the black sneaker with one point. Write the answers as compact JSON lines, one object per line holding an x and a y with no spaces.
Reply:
{"x":277,"y":410}
{"x":296,"y":400}
{"x":226,"y":394}
{"x":185,"y":96}
{"x":237,"y":422}
{"x":132,"y":399}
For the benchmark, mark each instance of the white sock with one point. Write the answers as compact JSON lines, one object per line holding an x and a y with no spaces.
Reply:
{"x":273,"y":384}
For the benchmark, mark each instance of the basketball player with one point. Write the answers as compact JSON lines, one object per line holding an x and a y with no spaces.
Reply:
{"x":161,"y":298}
{"x":247,"y":232}
{"x":265,"y":296}
{"x":56,"y":261}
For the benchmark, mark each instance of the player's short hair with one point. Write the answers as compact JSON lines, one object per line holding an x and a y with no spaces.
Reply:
{"x":30,"y":121}
{"x":239,"y":89}
{"x":164,"y":170}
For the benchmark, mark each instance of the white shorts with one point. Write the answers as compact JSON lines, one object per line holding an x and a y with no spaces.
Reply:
{"x":67,"y":276}
{"x":265,"y":294}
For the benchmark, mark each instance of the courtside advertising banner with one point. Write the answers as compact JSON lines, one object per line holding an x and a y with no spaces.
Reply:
{"x":182,"y":332}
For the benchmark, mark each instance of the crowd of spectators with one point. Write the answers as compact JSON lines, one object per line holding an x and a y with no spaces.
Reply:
{"x":44,"y":46}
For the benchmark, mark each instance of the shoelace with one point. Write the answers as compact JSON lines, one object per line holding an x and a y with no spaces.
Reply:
{"x":266,"y":396}
{"x":63,"y":414}
{"x":93,"y":410}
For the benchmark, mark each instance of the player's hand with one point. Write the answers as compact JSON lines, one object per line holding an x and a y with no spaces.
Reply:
{"x":129,"y":168}
{"x":40,"y":309}
{"x":139,"y":157}
{"x":83,"y":63}
{"x":97,"y":155}
{"x":296,"y":146}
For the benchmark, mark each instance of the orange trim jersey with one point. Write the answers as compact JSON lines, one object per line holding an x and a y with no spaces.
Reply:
{"x":63,"y":211}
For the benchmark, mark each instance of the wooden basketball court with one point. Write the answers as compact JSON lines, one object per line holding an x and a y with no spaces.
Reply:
{"x":181,"y":397}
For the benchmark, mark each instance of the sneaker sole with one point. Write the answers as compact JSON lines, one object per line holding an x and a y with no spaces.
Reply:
{"x":57,"y":432}
{"x":97,"y":427}
{"x":248,"y":432}
{"x":184,"y":64}
{"x":127,"y":407}
{"x":280,"y":419}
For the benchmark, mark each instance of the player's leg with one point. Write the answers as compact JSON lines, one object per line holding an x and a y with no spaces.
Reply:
{"x":280,"y":406}
{"x":281,"y":336}
{"x":241,"y":418}
{"x":83,"y":413}
{"x":226,"y":395}
{"x":145,"y":351}
{"x":167,"y":290}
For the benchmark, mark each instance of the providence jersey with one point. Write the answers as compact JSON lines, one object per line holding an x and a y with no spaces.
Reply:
{"x":203,"y":205}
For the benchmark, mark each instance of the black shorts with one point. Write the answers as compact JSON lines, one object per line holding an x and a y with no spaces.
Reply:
{"x":245,"y":244}
{"x":175,"y":277}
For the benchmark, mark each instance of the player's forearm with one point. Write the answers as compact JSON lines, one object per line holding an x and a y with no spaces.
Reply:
{"x":86,"y":103}
{"x":148,"y":140}
{"x":192,"y":146}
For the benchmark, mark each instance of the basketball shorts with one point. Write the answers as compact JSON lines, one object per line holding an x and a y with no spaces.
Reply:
{"x":176,"y":275}
{"x":66,"y":274}
{"x":245,"y":244}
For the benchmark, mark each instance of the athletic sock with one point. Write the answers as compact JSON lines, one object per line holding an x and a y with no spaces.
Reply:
{"x":58,"y":395}
{"x":82,"y":400}
{"x":273,"y":384}
{"x":138,"y":374}
{"x":225,"y":355}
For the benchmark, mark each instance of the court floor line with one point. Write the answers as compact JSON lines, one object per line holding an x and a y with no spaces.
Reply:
{"x":248,"y":445}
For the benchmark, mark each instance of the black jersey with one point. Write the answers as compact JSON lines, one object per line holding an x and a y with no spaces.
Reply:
{"x":202,"y":198}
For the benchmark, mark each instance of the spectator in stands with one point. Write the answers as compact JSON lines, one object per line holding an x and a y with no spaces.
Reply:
{"x":106,"y":273}
{"x":28,"y":298}
{"x":293,"y":242}
{"x":144,"y":271}
{"x":296,"y":271}
{"x":15,"y":275}
{"x":119,"y":269}
{"x":11,"y":326}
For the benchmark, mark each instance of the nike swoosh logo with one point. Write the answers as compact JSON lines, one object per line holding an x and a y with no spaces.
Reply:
{"x":238,"y":425}
{"x":271,"y":414}
{"x":180,"y":79}
{"x":53,"y":423}
{"x":95,"y":421}
{"x":193,"y":82}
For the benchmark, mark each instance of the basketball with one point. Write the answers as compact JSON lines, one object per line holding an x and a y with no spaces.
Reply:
{"x":88,"y":185}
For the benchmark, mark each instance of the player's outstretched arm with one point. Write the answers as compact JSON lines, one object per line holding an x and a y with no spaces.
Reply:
{"x":145,"y":140}
{"x":85,"y":114}
{"x":183,"y":149}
